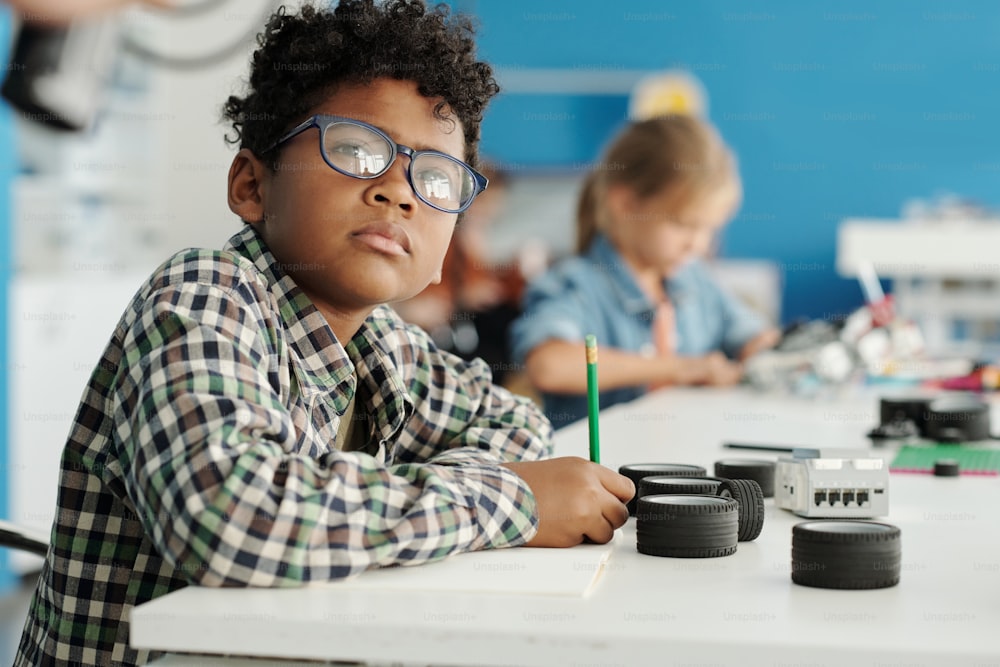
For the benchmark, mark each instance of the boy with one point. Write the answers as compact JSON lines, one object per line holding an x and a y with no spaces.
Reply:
{"x":260,"y":417}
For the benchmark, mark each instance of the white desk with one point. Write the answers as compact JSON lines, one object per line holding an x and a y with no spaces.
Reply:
{"x":738,"y":610}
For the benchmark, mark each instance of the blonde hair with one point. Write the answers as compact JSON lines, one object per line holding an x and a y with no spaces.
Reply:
{"x":676,"y":153}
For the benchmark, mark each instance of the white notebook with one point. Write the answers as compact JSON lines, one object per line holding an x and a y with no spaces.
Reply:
{"x":518,"y":571}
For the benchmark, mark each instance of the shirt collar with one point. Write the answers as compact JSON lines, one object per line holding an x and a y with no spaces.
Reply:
{"x":325,"y":366}
{"x":681,"y":283}
{"x":376,"y":368}
{"x":607,"y":259}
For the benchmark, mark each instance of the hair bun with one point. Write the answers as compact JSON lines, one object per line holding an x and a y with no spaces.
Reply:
{"x":666,"y":93}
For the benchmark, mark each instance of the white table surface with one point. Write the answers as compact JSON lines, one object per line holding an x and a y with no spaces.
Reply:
{"x":737,"y":610}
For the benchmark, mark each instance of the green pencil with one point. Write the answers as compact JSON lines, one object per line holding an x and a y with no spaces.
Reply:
{"x":593,"y":404}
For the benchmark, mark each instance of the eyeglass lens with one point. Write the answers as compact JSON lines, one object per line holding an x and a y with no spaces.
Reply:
{"x":438,"y":179}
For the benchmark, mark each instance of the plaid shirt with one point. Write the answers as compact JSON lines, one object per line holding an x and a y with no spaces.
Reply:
{"x":203,"y":452}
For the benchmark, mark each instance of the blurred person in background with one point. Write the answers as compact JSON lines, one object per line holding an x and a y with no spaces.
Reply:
{"x":61,"y":58}
{"x":648,"y":212}
{"x":469,"y":312}
{"x":61,"y":11}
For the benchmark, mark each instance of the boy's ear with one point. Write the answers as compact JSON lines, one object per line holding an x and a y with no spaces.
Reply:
{"x":247,"y":175}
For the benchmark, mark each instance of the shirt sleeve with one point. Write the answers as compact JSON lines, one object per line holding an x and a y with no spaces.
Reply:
{"x":212,"y":461}
{"x":462,"y":419}
{"x":554,"y":307}
{"x":740,"y":323}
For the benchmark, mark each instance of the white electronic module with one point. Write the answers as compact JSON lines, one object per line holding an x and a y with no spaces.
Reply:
{"x":832,"y":483}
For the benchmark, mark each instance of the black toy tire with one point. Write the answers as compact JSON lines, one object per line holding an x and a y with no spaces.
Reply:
{"x":759,"y":470}
{"x":748,"y":494}
{"x":660,"y":484}
{"x":947,"y":468}
{"x":846,"y":554}
{"x":636,"y":471}
{"x":686,"y":526}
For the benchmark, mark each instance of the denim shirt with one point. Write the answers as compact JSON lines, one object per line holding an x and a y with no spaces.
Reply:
{"x":597,"y":293}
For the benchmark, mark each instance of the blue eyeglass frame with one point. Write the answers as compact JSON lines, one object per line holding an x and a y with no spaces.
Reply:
{"x":323,"y":121}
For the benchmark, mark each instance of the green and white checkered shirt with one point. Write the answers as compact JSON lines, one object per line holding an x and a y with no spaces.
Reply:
{"x":204,"y":452}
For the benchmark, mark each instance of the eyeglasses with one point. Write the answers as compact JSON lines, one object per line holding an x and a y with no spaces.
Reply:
{"x":360,"y":150}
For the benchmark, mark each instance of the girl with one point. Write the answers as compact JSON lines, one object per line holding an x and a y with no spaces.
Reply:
{"x":646,"y":214}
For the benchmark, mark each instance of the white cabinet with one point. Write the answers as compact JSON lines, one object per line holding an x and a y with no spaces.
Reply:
{"x":58,"y":327}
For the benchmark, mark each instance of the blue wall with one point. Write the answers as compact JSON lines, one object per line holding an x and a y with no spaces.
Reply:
{"x":835,"y":109}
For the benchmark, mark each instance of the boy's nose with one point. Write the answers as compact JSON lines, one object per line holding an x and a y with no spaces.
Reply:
{"x":393,"y":188}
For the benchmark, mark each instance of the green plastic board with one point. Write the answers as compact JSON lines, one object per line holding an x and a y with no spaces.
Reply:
{"x":972,"y":460}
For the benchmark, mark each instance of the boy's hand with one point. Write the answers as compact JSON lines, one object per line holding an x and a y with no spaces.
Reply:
{"x":576,"y":500}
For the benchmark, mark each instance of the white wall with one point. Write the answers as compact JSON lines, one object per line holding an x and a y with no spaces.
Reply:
{"x":95,"y":214}
{"x":184,"y":108}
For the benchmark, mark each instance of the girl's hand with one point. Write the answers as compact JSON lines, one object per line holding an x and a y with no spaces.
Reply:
{"x":720,"y":371}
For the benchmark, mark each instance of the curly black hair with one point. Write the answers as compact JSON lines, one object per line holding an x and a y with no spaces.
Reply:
{"x":302,"y":58}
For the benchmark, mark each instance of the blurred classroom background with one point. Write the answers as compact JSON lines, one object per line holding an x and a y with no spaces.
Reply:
{"x":865,"y":133}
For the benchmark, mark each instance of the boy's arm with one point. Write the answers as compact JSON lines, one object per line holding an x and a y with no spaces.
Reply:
{"x":462,"y":418}
{"x":457,"y":405}
{"x":227,"y":492}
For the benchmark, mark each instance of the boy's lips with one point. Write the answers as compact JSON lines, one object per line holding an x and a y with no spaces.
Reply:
{"x":386,"y":237}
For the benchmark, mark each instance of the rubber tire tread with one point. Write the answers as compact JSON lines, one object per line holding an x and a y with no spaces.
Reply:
{"x":846,"y":560}
{"x":687,"y":553}
{"x":748,"y":494}
{"x":679,"y":470}
{"x":706,"y":530}
{"x":648,"y":488}
{"x":762,"y":473}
